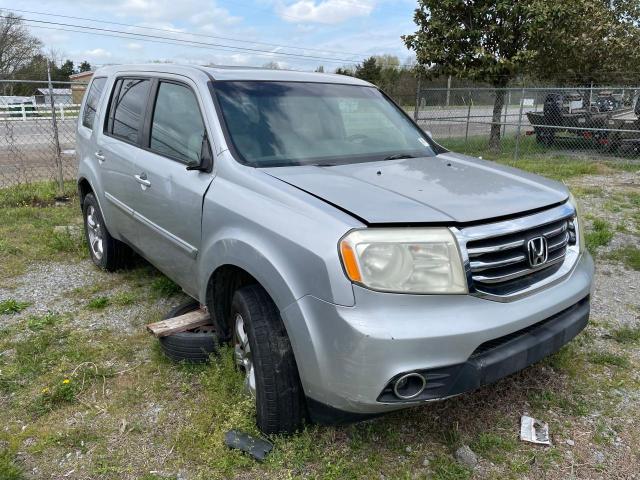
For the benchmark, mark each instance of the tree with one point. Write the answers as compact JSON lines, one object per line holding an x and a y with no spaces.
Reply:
{"x":496,"y":41}
{"x":66,"y":69}
{"x":369,"y":70}
{"x":84,"y":67}
{"x":320,"y":69}
{"x":478,"y":39}
{"x":272,"y":65}
{"x":17,"y":45}
{"x":595,"y":42}
{"x":344,"y":71}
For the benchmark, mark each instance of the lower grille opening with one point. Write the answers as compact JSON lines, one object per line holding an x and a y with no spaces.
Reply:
{"x":500,"y":341}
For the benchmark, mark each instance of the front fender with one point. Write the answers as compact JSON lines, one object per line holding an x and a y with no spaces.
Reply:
{"x":242,"y":254}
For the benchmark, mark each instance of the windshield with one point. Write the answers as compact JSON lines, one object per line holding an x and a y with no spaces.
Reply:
{"x":293,"y":123}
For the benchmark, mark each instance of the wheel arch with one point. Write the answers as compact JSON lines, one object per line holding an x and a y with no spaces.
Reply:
{"x":84,"y":188}
{"x":238,"y":264}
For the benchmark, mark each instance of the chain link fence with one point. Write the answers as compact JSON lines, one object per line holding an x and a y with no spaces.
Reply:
{"x":579,"y":122}
{"x":37,"y":131}
{"x":37,"y":124}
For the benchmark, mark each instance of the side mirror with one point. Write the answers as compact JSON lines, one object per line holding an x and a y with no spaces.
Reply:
{"x":206,"y":157}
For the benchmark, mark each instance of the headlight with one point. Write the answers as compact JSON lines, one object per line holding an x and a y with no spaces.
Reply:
{"x":578,"y":223}
{"x":405,"y":260}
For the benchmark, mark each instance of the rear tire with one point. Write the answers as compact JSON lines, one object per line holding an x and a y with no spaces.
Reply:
{"x":106,"y":252}
{"x":280,"y":403}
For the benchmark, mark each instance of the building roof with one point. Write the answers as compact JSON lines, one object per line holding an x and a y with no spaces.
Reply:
{"x":56,"y":91}
{"x":232,"y":73}
{"x":80,"y":75}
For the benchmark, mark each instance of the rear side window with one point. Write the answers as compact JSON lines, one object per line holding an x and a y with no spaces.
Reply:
{"x":127,"y":109}
{"x":91,"y":104}
{"x":177,"y":129}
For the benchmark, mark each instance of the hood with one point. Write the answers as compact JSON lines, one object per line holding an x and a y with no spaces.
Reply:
{"x":447,"y":188}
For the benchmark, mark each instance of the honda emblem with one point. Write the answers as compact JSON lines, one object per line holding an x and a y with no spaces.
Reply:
{"x":538,"y":251}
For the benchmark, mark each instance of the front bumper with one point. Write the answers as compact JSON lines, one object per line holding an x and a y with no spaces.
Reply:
{"x":346,"y":356}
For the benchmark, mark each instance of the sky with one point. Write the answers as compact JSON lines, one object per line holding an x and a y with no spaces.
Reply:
{"x":341,"y":32}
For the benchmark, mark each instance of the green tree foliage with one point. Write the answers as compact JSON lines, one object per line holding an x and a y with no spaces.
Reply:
{"x":386,"y":72}
{"x":369,"y":70}
{"x":84,"y":67}
{"x":344,"y":71}
{"x":495,"y":41}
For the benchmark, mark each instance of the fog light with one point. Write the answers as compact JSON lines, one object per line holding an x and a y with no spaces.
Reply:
{"x":409,"y":386}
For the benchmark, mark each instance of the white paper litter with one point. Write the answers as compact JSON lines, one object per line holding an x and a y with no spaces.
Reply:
{"x":534,"y":431}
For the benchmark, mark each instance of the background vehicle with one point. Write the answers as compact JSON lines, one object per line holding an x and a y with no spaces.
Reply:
{"x":356,"y":266}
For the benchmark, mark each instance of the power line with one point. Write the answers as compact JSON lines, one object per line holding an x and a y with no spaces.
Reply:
{"x":133,"y":35}
{"x":176,"y":32}
{"x":57,"y":29}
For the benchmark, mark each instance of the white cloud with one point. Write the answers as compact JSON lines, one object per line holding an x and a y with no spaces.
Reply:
{"x":99,"y":53}
{"x":327,"y":11}
{"x":134,"y":46}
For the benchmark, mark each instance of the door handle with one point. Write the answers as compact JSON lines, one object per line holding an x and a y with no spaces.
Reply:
{"x":99,"y":155}
{"x":142,"y":180}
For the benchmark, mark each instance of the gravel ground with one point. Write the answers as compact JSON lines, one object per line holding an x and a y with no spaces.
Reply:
{"x":54,"y":287}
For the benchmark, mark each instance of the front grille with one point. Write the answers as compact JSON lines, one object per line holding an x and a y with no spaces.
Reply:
{"x":500,"y":264}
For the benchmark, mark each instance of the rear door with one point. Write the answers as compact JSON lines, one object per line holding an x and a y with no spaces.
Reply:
{"x":118,"y":147}
{"x":168,"y":202}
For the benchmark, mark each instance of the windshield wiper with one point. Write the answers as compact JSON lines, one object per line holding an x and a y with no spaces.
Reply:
{"x":323,"y":164}
{"x":399,"y":156}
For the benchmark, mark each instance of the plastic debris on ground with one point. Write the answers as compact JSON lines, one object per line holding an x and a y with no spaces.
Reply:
{"x":534,"y":431}
{"x":258,"y":448}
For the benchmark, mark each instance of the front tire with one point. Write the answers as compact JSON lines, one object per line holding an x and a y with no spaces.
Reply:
{"x":106,"y":252}
{"x":263,"y":352}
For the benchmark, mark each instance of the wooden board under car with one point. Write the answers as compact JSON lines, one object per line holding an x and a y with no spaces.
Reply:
{"x":181,"y":323}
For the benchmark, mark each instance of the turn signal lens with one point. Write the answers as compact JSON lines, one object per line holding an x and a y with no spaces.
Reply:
{"x":350,"y":262}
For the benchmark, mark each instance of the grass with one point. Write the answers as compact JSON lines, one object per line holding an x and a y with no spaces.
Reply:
{"x":34,"y":194}
{"x":609,"y":359}
{"x":626,"y":335}
{"x":98,"y":303}
{"x":536,"y":158}
{"x":11,"y":306}
{"x":40,"y":322}
{"x":27,"y":220}
{"x":164,"y":287}
{"x":599,"y":235}
{"x":9,"y":470}
{"x":628,"y":255}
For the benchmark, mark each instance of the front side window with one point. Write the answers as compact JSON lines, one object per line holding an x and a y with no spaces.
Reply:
{"x":91,"y":104}
{"x":177,"y":129}
{"x":296,"y":123}
{"x":128,"y":106}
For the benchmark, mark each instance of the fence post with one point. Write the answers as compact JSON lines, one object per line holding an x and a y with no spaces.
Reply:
{"x":417,"y":107}
{"x":517,"y":152}
{"x":24,"y":112}
{"x":61,"y":111}
{"x":506,"y":109}
{"x":56,"y":138}
{"x":466,"y":133}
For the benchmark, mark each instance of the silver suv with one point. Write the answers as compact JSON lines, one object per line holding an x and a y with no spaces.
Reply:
{"x":356,"y":266}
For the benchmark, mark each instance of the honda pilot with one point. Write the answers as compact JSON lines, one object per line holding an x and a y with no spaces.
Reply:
{"x":355,"y":266}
